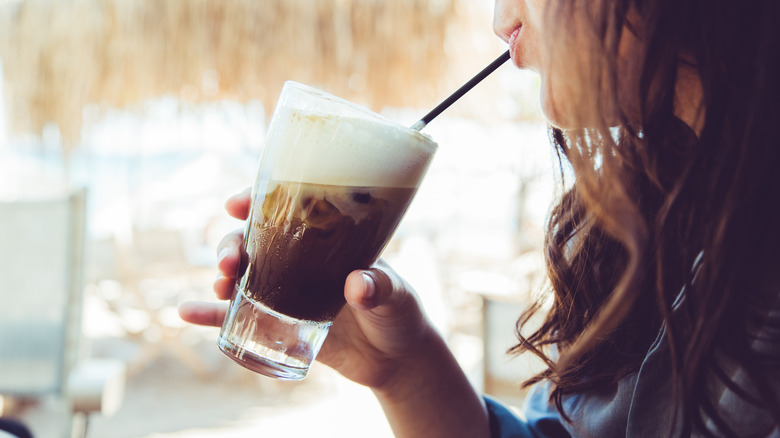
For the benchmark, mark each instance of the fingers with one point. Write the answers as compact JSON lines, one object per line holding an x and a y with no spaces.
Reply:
{"x":229,"y":263}
{"x":209,"y":314}
{"x":229,"y":252}
{"x":224,"y":286}
{"x":238,"y":205}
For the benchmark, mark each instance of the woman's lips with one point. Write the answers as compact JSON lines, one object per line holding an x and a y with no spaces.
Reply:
{"x":513,"y":44}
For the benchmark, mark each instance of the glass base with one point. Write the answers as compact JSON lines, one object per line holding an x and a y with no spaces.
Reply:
{"x":270,"y":343}
{"x":260,"y":363}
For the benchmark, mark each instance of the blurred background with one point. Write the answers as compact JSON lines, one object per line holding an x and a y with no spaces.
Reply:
{"x":124,"y":126}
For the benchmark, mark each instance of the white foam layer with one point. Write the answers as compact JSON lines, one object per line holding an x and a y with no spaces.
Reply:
{"x":345,"y":150}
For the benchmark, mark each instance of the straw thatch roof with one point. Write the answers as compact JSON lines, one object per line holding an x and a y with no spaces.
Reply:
{"x":60,"y":55}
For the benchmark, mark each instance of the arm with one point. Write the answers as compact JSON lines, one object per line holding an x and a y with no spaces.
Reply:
{"x":432,"y":397}
{"x":380,"y":339}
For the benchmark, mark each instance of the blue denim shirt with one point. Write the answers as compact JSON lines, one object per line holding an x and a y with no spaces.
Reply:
{"x":641,"y":405}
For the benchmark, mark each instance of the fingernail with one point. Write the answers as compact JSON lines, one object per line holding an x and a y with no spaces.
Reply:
{"x":222,"y":254}
{"x":368,"y":284}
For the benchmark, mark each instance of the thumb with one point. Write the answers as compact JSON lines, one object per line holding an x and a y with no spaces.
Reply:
{"x":362,"y":292}
{"x":379,"y":290}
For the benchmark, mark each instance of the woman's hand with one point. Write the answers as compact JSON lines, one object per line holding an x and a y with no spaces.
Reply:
{"x":380,"y":339}
{"x":380,"y":328}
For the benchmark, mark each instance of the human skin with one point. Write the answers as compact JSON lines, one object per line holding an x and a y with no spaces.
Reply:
{"x":522,"y":25}
{"x":381,"y":338}
{"x":519,"y":24}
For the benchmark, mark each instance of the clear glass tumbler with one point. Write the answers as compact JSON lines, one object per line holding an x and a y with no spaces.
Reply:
{"x":335,"y":179}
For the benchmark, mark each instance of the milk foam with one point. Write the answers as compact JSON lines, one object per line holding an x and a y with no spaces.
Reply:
{"x":345,"y":150}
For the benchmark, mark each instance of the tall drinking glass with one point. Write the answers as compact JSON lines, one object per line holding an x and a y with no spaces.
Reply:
{"x":334,"y":181}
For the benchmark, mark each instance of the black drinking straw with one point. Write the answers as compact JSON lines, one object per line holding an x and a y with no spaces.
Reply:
{"x":420,"y":124}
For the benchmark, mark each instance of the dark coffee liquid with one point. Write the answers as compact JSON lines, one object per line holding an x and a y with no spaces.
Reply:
{"x":306,"y":238}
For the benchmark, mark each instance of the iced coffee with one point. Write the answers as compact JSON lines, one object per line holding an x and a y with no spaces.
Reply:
{"x":334,"y":182}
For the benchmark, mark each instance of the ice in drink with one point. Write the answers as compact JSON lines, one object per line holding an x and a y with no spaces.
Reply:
{"x":332,"y":187}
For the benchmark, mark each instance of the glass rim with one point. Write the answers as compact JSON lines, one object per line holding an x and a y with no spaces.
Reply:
{"x":295,"y":86}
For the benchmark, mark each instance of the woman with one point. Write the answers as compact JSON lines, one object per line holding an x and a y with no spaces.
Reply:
{"x":661,"y":254}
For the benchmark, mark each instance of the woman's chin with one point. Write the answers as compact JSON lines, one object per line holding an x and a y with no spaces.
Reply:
{"x":558,"y":117}
{"x":557,"y":120}
{"x":552,"y":112}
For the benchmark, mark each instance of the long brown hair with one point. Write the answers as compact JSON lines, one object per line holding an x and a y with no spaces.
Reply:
{"x":654,"y":205}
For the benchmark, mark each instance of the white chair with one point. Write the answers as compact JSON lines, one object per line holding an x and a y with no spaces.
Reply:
{"x":41,"y":290}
